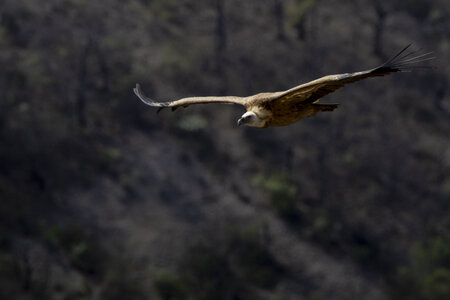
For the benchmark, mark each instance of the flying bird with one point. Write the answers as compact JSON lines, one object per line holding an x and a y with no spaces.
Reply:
{"x":287,"y":107}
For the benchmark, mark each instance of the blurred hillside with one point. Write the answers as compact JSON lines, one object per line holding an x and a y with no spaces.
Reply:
{"x":101,"y":198}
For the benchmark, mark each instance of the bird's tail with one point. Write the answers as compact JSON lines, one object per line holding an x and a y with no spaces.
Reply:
{"x":324,"y":107}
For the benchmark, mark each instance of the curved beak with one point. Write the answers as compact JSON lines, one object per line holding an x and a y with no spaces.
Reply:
{"x":240,"y":122}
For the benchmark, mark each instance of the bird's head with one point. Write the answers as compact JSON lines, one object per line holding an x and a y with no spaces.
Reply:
{"x":251,"y":119}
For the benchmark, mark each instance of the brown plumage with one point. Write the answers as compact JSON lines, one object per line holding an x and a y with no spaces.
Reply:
{"x":287,"y":107}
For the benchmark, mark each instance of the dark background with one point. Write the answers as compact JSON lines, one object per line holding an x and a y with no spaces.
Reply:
{"x":101,"y":198}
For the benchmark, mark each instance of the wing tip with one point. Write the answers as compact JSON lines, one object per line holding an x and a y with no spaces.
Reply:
{"x":407,"y":62}
{"x":139,"y":93}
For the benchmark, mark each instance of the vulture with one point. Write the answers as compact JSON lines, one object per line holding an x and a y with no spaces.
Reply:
{"x":287,"y":107}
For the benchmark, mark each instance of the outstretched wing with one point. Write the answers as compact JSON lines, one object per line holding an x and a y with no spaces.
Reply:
{"x":184,"y":102}
{"x":312,"y":91}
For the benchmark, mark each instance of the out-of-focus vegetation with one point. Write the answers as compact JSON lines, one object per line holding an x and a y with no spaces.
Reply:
{"x":100,"y":198}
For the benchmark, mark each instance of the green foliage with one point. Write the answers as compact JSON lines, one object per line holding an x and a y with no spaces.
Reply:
{"x":253,"y":259}
{"x":121,"y":283}
{"x":281,"y":192}
{"x":436,"y":285}
{"x":436,"y":253}
{"x":428,"y":276}
{"x":193,"y":122}
{"x":9,"y":276}
{"x":230,"y":266}
{"x":297,"y":14}
{"x":81,"y":249}
{"x":170,"y":287}
{"x":171,"y":11}
{"x":298,"y":9}
{"x":206,"y":271}
{"x":110,"y":154}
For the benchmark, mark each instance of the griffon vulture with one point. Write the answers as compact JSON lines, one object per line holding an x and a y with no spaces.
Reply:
{"x":287,"y":107}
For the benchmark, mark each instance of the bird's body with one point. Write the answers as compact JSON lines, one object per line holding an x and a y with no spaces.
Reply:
{"x":287,"y":107}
